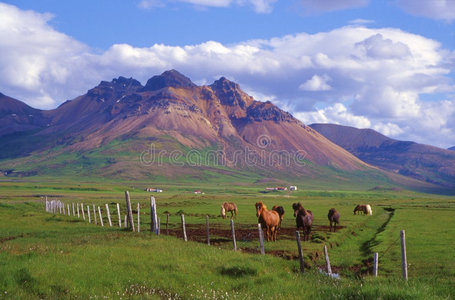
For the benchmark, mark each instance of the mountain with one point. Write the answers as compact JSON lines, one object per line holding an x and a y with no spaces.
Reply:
{"x":16,"y":116}
{"x":419,"y":161}
{"x":452,"y":148}
{"x":173,"y":128}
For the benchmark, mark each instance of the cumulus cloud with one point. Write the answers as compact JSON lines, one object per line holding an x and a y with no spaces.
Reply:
{"x":335,"y":114}
{"x":260,"y":6}
{"x":36,"y":61}
{"x":358,"y":76}
{"x":316,"y":83}
{"x":433,"y":9}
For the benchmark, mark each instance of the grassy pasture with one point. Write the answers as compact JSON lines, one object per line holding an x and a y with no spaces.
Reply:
{"x":53,"y":256}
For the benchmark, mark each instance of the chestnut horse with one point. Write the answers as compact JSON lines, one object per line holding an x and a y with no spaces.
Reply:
{"x":228,"y":207}
{"x":268,"y":219}
{"x":303,"y":219}
{"x":334,"y":218}
{"x":366,"y":209}
{"x":280,"y":211}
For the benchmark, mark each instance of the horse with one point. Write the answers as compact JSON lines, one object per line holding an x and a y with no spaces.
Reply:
{"x":334,"y":218}
{"x":366,"y":209}
{"x":228,"y":207}
{"x":280,"y":211}
{"x":303,"y":219}
{"x":268,"y":219}
{"x":369,"y":210}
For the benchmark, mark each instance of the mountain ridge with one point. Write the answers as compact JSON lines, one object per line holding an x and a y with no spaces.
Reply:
{"x":422,"y":162}
{"x":173,"y":115}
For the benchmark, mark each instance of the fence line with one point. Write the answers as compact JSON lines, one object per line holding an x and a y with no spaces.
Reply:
{"x":57,"y":207}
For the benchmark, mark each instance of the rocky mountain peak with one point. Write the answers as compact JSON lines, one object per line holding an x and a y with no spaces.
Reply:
{"x":126,"y":82}
{"x":230,"y":93}
{"x":171,"y":78}
{"x":267,"y":111}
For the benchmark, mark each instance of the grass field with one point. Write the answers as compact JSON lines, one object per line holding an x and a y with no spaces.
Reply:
{"x":45,"y":255}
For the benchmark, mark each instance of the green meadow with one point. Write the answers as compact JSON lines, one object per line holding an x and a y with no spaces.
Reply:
{"x":54,"y":256}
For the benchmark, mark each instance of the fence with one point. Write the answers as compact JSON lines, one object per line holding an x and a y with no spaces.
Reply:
{"x":57,"y":207}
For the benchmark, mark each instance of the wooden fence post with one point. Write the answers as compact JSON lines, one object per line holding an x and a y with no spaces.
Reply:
{"x":167,"y":223}
{"x":88,"y":213}
{"x":129,"y":211}
{"x":159,"y":225}
{"x":101,"y":217}
{"x":153,"y":217}
{"x":404,"y":262}
{"x":108,"y":215}
{"x":59,"y":207}
{"x":234,"y":242}
{"x":78,"y":215}
{"x":125,"y":221}
{"x":74,"y":211}
{"x":375,"y":265}
{"x":82,"y":208}
{"x":299,"y":248}
{"x":138,"y":217}
{"x":207,"y":228}
{"x":327,"y":261}
{"x":94,"y":214}
{"x":64,"y":212}
{"x":183,"y":228}
{"x":119,"y":216}
{"x":68,"y":209}
{"x":46,"y":207}
{"x":261,"y":238}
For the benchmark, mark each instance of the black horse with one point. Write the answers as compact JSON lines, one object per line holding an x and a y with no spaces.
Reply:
{"x":303,"y":219}
{"x":280,"y":211}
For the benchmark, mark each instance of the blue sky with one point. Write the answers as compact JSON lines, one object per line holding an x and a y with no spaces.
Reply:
{"x":386,"y":65}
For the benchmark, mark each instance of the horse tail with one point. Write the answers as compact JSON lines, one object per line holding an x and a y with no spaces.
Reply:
{"x":369,"y":210}
{"x":223,"y":212}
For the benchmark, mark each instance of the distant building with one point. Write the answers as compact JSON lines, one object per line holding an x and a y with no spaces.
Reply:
{"x":278,"y":188}
{"x":154,"y":190}
{"x":197,"y":192}
{"x":293,"y":188}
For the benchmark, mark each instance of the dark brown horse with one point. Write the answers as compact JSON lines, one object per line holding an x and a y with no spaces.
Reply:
{"x":303,"y":219}
{"x":365,"y":208}
{"x":334,"y":218}
{"x":269,"y":219}
{"x":228,"y":207}
{"x":280,"y":211}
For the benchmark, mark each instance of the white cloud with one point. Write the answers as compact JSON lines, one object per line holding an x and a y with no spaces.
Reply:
{"x":361,"y":22}
{"x":36,"y":61}
{"x":433,"y":9}
{"x":321,"y":6}
{"x":362,"y":76}
{"x":335,"y":114}
{"x":260,"y":6}
{"x":316,"y":83}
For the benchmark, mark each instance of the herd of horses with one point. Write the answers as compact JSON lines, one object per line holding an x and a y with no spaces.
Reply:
{"x":270,"y":220}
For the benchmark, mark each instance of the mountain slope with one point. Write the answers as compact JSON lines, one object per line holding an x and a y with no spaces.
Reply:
{"x":16,"y":116}
{"x":419,"y":161}
{"x":172,"y":128}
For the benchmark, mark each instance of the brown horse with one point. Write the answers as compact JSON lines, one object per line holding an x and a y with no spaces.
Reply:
{"x":228,"y":207}
{"x":280,"y":211}
{"x":303,"y":219}
{"x":365,"y":208}
{"x":268,"y":219}
{"x":334,"y":218}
